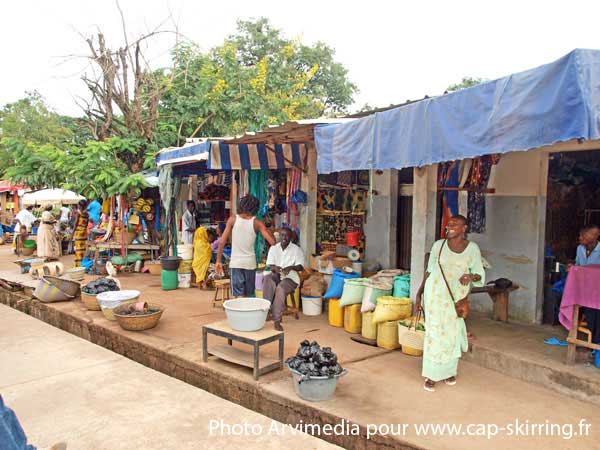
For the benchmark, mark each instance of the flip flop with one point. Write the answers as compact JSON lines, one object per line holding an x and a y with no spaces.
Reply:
{"x":555,"y":341}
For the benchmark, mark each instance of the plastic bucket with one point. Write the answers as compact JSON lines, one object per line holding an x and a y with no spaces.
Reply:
{"x":315,"y":389}
{"x":184,"y":280}
{"x":312,"y":306}
{"x":170,"y":262}
{"x":336,"y":313}
{"x":185,"y":251}
{"x":597,"y":359}
{"x":387,"y":335}
{"x":352,"y":318}
{"x":168,"y":280}
{"x":185,"y":266}
{"x":369,"y":328}
{"x":352,"y":238}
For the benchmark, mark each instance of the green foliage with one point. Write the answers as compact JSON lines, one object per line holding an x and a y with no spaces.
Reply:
{"x":31,"y":120}
{"x":466,"y":82}
{"x":254,"y":79}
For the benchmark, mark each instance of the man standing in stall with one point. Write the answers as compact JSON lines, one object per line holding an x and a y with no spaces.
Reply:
{"x":188,"y":223}
{"x":243,"y":229}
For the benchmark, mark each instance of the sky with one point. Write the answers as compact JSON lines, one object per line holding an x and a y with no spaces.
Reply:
{"x":394,"y":50}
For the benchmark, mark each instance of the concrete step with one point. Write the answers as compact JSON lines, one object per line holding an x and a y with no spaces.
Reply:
{"x":519,"y":351}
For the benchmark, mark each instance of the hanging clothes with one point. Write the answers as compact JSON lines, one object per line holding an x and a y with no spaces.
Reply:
{"x":480,"y":176}
{"x":257,"y":182}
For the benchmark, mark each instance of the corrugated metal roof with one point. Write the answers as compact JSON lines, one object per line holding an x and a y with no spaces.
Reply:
{"x":291,"y":132}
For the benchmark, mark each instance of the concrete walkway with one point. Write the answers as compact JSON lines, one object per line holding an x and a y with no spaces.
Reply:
{"x":64,"y":388}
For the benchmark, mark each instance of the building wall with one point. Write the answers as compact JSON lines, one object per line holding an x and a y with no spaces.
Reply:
{"x":380,"y":229}
{"x":515,"y":222}
{"x":514,"y":239}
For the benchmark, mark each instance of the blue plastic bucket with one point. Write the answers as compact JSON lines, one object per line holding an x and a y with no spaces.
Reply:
{"x":597,"y":359}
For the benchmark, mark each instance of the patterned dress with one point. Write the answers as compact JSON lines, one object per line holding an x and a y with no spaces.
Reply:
{"x":80,"y":236}
{"x":445,"y":332}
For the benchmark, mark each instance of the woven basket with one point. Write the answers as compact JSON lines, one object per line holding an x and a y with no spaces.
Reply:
{"x":411,"y":339}
{"x":90,"y":302}
{"x":47,"y":292}
{"x":138,"y":323}
{"x":69,"y":287}
{"x":129,"y":236}
{"x":153,"y":267}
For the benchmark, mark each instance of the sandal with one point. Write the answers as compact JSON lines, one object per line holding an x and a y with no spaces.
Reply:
{"x":429,"y":385}
{"x":450,"y":381}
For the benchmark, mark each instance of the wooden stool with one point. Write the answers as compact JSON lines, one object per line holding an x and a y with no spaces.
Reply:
{"x":222,"y":291}
{"x":291,"y":300}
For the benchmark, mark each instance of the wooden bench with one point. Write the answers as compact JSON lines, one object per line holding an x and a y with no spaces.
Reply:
{"x":238,"y":356}
{"x":500,"y":298}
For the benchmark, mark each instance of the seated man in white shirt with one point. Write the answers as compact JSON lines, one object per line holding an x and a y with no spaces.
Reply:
{"x":285,"y":260}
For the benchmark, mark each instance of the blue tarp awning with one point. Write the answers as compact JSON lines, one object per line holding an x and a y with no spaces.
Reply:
{"x":187,"y":153}
{"x":553,"y":103}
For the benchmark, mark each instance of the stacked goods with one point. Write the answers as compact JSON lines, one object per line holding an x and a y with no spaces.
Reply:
{"x":374,"y":290}
{"x":313,"y":361}
{"x":354,"y":290}
{"x":143,"y":205}
{"x":392,"y":308}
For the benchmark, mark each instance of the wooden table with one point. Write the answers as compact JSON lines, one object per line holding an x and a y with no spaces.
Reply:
{"x":500,"y":298}
{"x":237,"y":356}
{"x":111,"y":245}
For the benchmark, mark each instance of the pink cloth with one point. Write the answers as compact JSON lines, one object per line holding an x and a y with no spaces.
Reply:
{"x":582,"y":288}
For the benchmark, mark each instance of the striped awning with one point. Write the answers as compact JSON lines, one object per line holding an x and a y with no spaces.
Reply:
{"x":256,"y":156}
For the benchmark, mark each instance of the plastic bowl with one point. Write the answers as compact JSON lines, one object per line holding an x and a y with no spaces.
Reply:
{"x":170,"y":262}
{"x":247,"y":314}
{"x":315,"y":389}
{"x":111,"y":299}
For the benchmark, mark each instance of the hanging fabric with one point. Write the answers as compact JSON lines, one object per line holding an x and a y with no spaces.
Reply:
{"x":257,"y":182}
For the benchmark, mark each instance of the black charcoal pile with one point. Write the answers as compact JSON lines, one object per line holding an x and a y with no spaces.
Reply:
{"x":312,"y":360}
{"x":100,"y":285}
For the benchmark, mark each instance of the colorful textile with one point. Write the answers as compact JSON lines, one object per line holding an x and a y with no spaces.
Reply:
{"x":80,"y":237}
{"x":445,"y":332}
{"x":95,"y":209}
{"x":583,"y":289}
{"x":202,"y":254}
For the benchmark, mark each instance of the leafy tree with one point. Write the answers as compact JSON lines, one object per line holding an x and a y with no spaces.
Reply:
{"x":31,"y":120}
{"x":255,"y":78}
{"x":466,"y":82}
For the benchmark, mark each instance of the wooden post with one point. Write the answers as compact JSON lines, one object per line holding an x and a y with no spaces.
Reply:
{"x":500,"y":300}
{"x":572,"y":348}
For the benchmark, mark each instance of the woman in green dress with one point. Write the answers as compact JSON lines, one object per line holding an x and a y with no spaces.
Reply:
{"x":454,"y":266}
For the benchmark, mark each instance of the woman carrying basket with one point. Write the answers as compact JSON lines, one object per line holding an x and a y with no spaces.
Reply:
{"x":454,"y":266}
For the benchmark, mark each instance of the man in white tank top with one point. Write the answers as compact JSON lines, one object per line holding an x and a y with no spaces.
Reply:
{"x":243,"y":229}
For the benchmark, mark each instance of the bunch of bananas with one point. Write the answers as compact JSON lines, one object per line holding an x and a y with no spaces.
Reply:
{"x":143,"y":205}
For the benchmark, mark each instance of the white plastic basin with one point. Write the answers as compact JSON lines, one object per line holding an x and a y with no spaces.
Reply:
{"x":246,"y":314}
{"x":112,"y":299}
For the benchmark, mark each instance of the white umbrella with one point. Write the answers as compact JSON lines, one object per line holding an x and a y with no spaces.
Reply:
{"x":54,"y":196}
